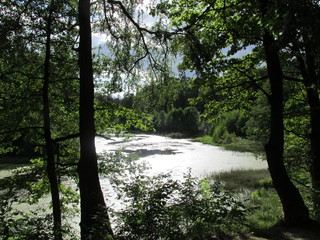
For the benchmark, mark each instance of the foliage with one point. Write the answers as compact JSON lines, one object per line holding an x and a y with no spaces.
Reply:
{"x":257,"y":126}
{"x":171,"y":93}
{"x":264,"y":209}
{"x":110,"y":115}
{"x":221,"y":41}
{"x":24,"y":204}
{"x":21,"y":61}
{"x":229,"y":126}
{"x":35,"y":225}
{"x":162,"y":121}
{"x":178,"y":120}
{"x":206,"y":139}
{"x":191,"y":122}
{"x":162,"y":208}
{"x":224,"y":43}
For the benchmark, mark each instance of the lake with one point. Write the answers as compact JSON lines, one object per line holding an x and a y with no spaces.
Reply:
{"x":175,"y":156}
{"x":165,"y":154}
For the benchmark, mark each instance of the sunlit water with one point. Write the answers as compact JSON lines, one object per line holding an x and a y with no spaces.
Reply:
{"x":165,"y":154}
{"x":177,"y":157}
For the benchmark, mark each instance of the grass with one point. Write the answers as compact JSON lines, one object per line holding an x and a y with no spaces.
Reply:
{"x":205,"y":139}
{"x":263,"y":206}
{"x":237,"y":144}
{"x":243,"y":179}
{"x":264,"y":209}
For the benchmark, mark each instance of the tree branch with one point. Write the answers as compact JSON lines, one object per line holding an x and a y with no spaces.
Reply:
{"x":61,"y":139}
{"x":103,"y":136}
{"x":254,"y":81}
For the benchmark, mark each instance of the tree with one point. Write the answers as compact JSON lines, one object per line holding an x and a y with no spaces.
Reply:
{"x":39,"y":34}
{"x":29,"y":38}
{"x":301,"y":36}
{"x":95,"y":222}
{"x":214,"y":33}
{"x":295,"y":212}
{"x":19,"y":84}
{"x":51,"y":167}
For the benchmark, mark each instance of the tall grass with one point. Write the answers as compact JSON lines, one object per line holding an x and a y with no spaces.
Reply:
{"x":263,"y":206}
{"x":242,"y":179}
{"x":235,"y":144}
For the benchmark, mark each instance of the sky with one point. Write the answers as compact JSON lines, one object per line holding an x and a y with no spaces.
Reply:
{"x":99,"y":39}
{"x":147,"y":21}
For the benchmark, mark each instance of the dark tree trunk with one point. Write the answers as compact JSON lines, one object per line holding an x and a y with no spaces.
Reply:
{"x":95,"y":222}
{"x":295,"y":211}
{"x":308,"y":72}
{"x":314,"y":104}
{"x":51,"y":168}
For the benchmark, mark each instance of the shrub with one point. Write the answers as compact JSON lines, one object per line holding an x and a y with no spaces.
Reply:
{"x":162,"y":208}
{"x":191,"y":120}
{"x":162,"y":120}
{"x":219,"y":133}
{"x":177,"y":118}
{"x":24,"y":210}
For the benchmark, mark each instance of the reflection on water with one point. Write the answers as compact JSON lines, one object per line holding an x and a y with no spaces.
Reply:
{"x":170,"y":155}
{"x":178,"y":155}
{"x":144,"y":152}
{"x":175,"y":156}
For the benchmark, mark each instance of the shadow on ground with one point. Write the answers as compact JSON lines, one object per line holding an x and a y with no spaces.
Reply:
{"x":286,"y":233}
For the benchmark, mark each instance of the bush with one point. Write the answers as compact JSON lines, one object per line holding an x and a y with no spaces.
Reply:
{"x":191,"y":120}
{"x":161,"y":120}
{"x":230,"y":127}
{"x":161,"y":208}
{"x":219,"y":133}
{"x":265,"y":209}
{"x":177,"y":120}
{"x":24,"y":210}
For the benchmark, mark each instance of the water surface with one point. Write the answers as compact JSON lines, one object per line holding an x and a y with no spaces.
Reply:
{"x":165,"y":154}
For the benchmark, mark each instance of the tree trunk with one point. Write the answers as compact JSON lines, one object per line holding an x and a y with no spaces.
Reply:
{"x":51,"y":168}
{"x":314,"y":104}
{"x":295,"y":211}
{"x":95,"y":222}
{"x":310,"y":80}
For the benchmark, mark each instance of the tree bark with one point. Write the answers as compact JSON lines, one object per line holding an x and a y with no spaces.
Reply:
{"x":314,"y":104}
{"x":51,"y":168}
{"x":95,"y":222}
{"x":295,"y":211}
{"x":310,"y":80}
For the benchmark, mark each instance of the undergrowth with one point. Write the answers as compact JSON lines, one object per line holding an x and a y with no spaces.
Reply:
{"x":261,"y":201}
{"x":191,"y":209}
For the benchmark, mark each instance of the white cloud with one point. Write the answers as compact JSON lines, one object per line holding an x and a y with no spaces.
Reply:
{"x":98,"y":39}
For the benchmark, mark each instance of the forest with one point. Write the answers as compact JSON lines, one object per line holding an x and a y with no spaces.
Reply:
{"x":242,"y":74}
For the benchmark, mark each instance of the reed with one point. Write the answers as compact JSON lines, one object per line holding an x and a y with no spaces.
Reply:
{"x":242,"y":179}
